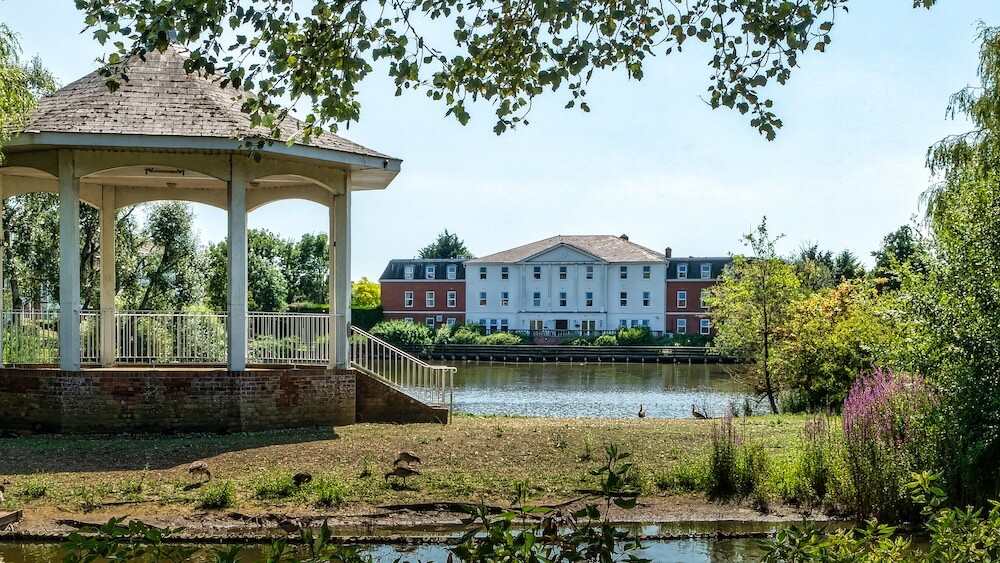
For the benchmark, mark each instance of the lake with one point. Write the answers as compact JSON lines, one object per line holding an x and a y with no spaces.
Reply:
{"x":599,"y":390}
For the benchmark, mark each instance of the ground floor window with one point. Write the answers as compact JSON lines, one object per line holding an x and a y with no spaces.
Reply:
{"x":705,"y":326}
{"x":682,"y":326}
{"x":451,"y":321}
{"x":408,"y":319}
{"x":430,"y":322}
{"x":536,"y":325}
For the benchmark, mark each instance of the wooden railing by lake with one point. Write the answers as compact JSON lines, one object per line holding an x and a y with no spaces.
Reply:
{"x":564,"y":353}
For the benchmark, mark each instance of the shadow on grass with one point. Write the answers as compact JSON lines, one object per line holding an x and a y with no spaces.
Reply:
{"x":62,"y":453}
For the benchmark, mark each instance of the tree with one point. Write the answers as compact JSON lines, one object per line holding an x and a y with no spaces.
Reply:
{"x":168,"y":264}
{"x":846,"y":267}
{"x":505,"y":53}
{"x":21,"y":84}
{"x":268,"y":257}
{"x":814,"y":267}
{"x":446,"y":246}
{"x":309,"y":269}
{"x":901,"y":250}
{"x":365,"y":294}
{"x":751,"y":303}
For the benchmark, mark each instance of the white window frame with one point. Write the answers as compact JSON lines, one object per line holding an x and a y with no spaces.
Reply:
{"x":482,"y":298}
{"x":623,"y":299}
{"x":647,"y":272}
{"x":429,"y":298}
{"x":563,"y":272}
{"x":429,"y":321}
{"x":590,"y":273}
{"x":536,"y":272}
{"x":430,"y":272}
{"x":452,"y":272}
{"x":706,"y":271}
{"x":504,"y":299}
{"x":682,"y":326}
{"x":645,"y":299}
{"x":623,"y":272}
{"x":590,"y":298}
{"x":536,"y":299}
{"x":705,"y":326}
{"x":701,"y":299}
{"x":450,"y":321}
{"x":623,"y":323}
{"x":682,"y":271}
{"x":682,"y":299}
{"x":504,"y":272}
{"x":645,"y":323}
{"x":407,"y":272}
{"x":452,"y":298}
{"x":407,"y":319}
{"x":408,"y":299}
{"x":562,"y":299}
{"x":482,"y":272}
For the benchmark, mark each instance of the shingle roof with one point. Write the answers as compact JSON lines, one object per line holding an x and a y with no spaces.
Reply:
{"x":160,"y":98}
{"x":609,"y":248}
{"x":395,"y":270}
{"x":694,"y":263}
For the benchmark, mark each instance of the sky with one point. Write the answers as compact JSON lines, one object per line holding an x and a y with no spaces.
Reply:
{"x":651,"y":159}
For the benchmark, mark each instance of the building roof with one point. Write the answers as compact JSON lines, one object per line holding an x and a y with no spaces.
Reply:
{"x":609,"y":248}
{"x":694,"y":266}
{"x":395,"y":270}
{"x":160,"y":98}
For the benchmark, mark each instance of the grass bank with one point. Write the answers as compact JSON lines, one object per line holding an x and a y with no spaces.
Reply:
{"x":474,"y":459}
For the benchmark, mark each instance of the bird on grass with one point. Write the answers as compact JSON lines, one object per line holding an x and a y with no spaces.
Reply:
{"x":402,"y":472}
{"x":642,"y":411}
{"x":2,"y":498}
{"x":697,"y":414}
{"x":289,"y":526}
{"x":406,"y":457}
{"x":301,"y":478}
{"x":200,"y":468}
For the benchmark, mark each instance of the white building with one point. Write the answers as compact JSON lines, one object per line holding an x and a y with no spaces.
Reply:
{"x":568,"y":283}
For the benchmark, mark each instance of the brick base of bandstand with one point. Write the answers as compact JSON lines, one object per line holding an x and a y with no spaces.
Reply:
{"x":197,"y":399}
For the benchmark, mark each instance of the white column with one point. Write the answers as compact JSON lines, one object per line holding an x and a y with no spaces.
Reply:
{"x":109,"y":346}
{"x":69,"y":264}
{"x":340,"y":277}
{"x":237,"y":313}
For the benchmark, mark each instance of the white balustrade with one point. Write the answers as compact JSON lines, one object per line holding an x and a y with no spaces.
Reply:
{"x":415,"y":377}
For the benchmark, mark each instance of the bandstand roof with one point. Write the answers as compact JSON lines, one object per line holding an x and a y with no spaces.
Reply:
{"x":163,"y":109}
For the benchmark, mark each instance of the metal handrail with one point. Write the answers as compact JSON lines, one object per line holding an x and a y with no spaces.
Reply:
{"x":425,"y":382}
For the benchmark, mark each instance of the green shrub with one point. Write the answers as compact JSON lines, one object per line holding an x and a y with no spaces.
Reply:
{"x":274,"y":485}
{"x":738,"y":466}
{"x":502,"y":339}
{"x":217,"y":494}
{"x":34,"y":489}
{"x":634,"y":336}
{"x":329,"y":493}
{"x":466,"y":334}
{"x":818,"y":455}
{"x":403,"y":333}
{"x":606,"y":340}
{"x":579,"y":341}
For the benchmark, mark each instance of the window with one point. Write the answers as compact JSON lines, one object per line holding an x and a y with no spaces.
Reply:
{"x":704,"y":326}
{"x":634,"y":323}
{"x":623,"y":299}
{"x":682,"y":271}
{"x":408,"y":272}
{"x":590,"y":272}
{"x":430,"y":272}
{"x":562,"y":298}
{"x":429,"y":321}
{"x":451,"y":321}
{"x":645,"y":299}
{"x":645,"y":323}
{"x":534,"y":326}
{"x":562,"y":272}
{"x":682,"y":326}
{"x":682,"y":299}
{"x":504,"y":298}
{"x":623,"y":272}
{"x":482,"y":298}
{"x":439,"y":318}
{"x":647,"y":272}
{"x":482,"y":272}
{"x":590,"y":299}
{"x":537,"y":272}
{"x":706,"y":271}
{"x":703,"y":299}
{"x":408,"y":299}
{"x":429,"y":298}
{"x":536,"y":299}
{"x":452,"y":299}
{"x":504,"y":325}
{"x":623,"y":322}
{"x":504,"y":272}
{"x":452,"y":272}
{"x":408,"y":319}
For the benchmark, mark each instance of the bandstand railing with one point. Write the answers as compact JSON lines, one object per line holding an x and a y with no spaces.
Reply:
{"x":425,"y":382}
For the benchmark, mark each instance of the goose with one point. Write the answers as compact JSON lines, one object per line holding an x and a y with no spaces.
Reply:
{"x":301,"y":478}
{"x":642,"y":411}
{"x":697,"y":414}
{"x":401,"y":472}
{"x":289,"y":526}
{"x":200,"y":468}
{"x":2,"y":499}
{"x":406,"y":457}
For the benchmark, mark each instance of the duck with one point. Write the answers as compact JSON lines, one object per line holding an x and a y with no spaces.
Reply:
{"x":402,"y":472}
{"x":406,"y":457}
{"x":697,"y":414}
{"x":642,"y":411}
{"x":200,"y":468}
{"x":301,"y":478}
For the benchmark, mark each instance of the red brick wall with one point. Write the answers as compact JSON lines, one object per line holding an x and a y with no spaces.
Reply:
{"x":377,"y":402}
{"x":693,"y":312}
{"x":393,"y":300}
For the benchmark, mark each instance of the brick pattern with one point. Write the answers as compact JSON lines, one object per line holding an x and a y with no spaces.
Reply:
{"x":378,"y":402}
{"x":174,"y":400}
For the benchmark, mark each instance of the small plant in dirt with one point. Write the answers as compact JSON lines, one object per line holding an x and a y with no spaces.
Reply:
{"x":738,"y":466}
{"x":329,"y":492}
{"x":274,"y":485}
{"x":34,"y":489}
{"x":217,"y":494}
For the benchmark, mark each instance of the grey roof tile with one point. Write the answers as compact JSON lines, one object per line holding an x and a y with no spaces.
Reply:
{"x":609,"y":248}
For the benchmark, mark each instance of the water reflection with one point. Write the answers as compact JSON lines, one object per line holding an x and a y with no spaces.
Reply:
{"x":601,"y":390}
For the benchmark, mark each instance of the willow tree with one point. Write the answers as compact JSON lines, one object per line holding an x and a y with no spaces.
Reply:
{"x":750,"y":305}
{"x":21,"y":84}
{"x":505,"y":52}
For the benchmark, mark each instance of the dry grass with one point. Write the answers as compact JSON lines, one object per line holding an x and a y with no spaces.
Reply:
{"x":473,"y":459}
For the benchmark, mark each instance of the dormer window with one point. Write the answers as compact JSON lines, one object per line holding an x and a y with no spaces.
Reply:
{"x":408,"y":273}
{"x":452,"y":272}
{"x":682,"y":271}
{"x":430,"y":272}
{"x":706,"y":271}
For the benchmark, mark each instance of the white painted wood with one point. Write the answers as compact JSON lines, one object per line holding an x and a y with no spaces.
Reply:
{"x":109,"y":214}
{"x":69,"y":264}
{"x":237,"y":274}
{"x":340,"y":275}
